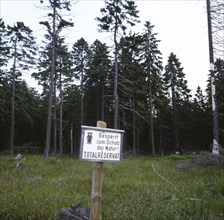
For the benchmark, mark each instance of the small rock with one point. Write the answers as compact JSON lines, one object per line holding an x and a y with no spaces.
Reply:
{"x":76,"y":212}
{"x":20,"y":165}
{"x":19,"y":157}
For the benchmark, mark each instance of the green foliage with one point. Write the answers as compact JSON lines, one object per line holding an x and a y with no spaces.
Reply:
{"x":87,"y":78}
{"x":131,"y":189}
{"x":178,"y":94}
{"x":98,"y":83}
{"x":118,"y":15}
{"x":22,"y":47}
{"x":80,"y":54}
{"x":4,"y":49}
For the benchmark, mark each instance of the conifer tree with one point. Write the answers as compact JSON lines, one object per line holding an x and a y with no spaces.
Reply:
{"x":64,"y":69}
{"x":4,"y":83}
{"x":98,"y":81}
{"x":177,"y":90}
{"x":80,"y":56}
{"x":131,"y":88}
{"x":4,"y":49}
{"x":151,"y":61}
{"x":54,"y":26}
{"x":117,"y":15}
{"x":201,"y":121}
{"x":22,"y":52}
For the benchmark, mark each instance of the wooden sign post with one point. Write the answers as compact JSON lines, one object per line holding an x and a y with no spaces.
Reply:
{"x":97,"y":183}
{"x":99,"y":144}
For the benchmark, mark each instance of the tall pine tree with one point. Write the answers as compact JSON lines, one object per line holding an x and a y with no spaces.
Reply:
{"x":22,"y":52}
{"x":151,"y":61}
{"x":54,"y":25}
{"x":177,"y":91}
{"x":117,"y":15}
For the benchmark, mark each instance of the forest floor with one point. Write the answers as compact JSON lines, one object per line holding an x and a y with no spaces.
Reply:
{"x":140,"y":188}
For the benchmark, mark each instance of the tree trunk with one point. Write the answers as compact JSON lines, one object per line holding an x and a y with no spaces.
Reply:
{"x":160,"y":134}
{"x":116,"y":100}
{"x":55,"y":119}
{"x":151,"y":119}
{"x":13,"y":104}
{"x":215,"y":147}
{"x":81,"y":120}
{"x":48,"y":132}
{"x":174,"y":104}
{"x":134,"y":131}
{"x":61,"y":119}
{"x":71,"y":139}
{"x":137,"y":136}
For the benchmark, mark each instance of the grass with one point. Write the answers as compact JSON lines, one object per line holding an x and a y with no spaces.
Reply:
{"x":131,"y":189}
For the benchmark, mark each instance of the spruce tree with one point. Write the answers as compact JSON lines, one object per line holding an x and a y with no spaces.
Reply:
{"x":201,"y":121}
{"x":117,"y":15}
{"x":22,"y":52}
{"x":151,"y":62}
{"x":98,"y":82}
{"x":4,"y":84}
{"x":177,"y":91}
{"x":54,"y":25}
{"x":131,"y":89}
{"x":80,"y":55}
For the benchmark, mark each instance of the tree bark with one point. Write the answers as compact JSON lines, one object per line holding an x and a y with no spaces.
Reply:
{"x":116,"y":100}
{"x":215,"y":147}
{"x":55,"y":118}
{"x":61,"y":119}
{"x":134,"y":131}
{"x":71,"y":139}
{"x":13,"y":104}
{"x":175,"y":121}
{"x":82,"y":96}
{"x":151,"y":120}
{"x":48,"y":132}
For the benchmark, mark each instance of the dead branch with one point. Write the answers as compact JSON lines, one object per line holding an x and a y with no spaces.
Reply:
{"x":164,"y":179}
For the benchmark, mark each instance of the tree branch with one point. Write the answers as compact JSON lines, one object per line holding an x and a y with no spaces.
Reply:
{"x":164,"y":179}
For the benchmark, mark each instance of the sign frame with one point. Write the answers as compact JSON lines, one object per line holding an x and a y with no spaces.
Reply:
{"x":107,"y":132}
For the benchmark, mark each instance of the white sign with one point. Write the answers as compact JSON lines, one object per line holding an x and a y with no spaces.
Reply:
{"x":101,"y":144}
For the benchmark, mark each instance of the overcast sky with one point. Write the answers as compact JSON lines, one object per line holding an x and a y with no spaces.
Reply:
{"x":181,"y":26}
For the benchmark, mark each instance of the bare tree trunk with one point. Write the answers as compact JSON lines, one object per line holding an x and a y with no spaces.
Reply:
{"x":174,"y":104}
{"x":134,"y":128}
{"x":81,"y":120}
{"x":151,"y":119}
{"x":71,"y":139}
{"x":160,"y":135}
{"x":152,"y":134}
{"x":13,"y":104}
{"x":134,"y":131}
{"x":215,"y":147}
{"x":116,"y":100}
{"x":55,"y":119}
{"x":137,"y":136}
{"x":61,"y":119}
{"x":48,"y":132}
